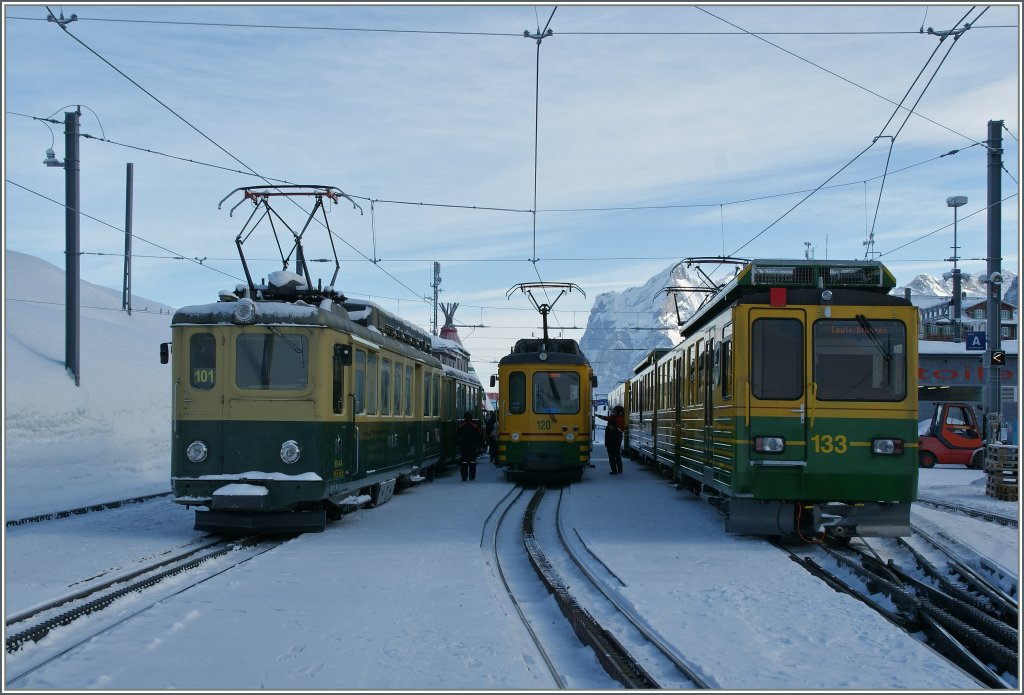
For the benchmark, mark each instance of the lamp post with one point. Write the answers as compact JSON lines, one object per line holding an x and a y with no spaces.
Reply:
{"x":955,"y":202}
{"x":72,"y":226}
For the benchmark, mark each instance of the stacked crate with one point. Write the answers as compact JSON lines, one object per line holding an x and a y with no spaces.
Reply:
{"x":1001,"y":467}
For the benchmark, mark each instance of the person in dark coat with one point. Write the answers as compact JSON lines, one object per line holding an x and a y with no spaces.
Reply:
{"x":491,"y":430}
{"x":468,"y":439}
{"x":613,"y":437}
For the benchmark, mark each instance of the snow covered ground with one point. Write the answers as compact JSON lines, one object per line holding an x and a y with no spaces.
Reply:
{"x":402,"y":596}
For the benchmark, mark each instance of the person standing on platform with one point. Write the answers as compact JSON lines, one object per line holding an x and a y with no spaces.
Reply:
{"x":613,"y":437}
{"x":468,"y":439}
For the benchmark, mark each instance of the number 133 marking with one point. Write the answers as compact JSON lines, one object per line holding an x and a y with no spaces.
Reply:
{"x":827,"y":444}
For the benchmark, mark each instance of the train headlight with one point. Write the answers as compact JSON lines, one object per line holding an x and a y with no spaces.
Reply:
{"x":569,"y":436}
{"x":769,"y":445}
{"x":290,"y":451}
{"x":196,"y":452}
{"x":245,"y":311}
{"x":887,"y":447}
{"x":515,"y":436}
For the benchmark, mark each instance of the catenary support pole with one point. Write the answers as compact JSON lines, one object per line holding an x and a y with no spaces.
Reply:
{"x":993,"y":308}
{"x":126,"y":293}
{"x":72,"y":226}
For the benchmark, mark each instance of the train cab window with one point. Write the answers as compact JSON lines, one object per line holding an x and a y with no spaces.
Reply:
{"x":408,"y":390}
{"x":385,"y":386}
{"x":272,"y":361}
{"x":517,"y":393}
{"x":202,"y":360}
{"x":359,"y":387}
{"x":371,"y":383}
{"x":860,"y":360}
{"x":556,"y":392}
{"x":777,"y":359}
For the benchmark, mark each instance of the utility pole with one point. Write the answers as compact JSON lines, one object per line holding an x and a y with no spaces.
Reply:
{"x":72,"y":227}
{"x":436,"y":285}
{"x":126,"y":293}
{"x":993,"y":310}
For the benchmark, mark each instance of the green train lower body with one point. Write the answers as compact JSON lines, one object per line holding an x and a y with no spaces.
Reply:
{"x":827,"y":479}
{"x":245,"y":484}
{"x":544,"y":462}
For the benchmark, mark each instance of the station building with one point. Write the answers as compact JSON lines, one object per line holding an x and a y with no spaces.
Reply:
{"x":949,"y":371}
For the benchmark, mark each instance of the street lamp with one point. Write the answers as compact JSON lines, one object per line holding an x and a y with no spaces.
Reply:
{"x":955,"y":202}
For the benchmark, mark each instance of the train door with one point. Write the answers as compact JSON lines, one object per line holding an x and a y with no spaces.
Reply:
{"x":777,"y":399}
{"x":707,"y":388}
{"x":199,"y":392}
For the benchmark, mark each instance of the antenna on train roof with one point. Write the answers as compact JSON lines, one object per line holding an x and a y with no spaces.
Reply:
{"x":544,"y":309}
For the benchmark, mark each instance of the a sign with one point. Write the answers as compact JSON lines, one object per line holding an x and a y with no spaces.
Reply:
{"x":998,"y":358}
{"x":975,"y":340}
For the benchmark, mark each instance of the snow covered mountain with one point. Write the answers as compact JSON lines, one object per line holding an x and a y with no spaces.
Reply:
{"x":931,"y":286}
{"x":625,"y":326}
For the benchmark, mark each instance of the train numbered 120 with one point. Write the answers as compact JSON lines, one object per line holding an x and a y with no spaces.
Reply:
{"x":545,"y":391}
{"x":293,"y":403}
{"x":791,"y":401}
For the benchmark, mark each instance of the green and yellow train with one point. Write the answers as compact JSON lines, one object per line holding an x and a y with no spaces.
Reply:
{"x":791,"y":401}
{"x":545,"y":390}
{"x":293,"y":403}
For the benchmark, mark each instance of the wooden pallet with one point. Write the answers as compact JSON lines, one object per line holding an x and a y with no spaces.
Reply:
{"x":1002,"y":453}
{"x":1001,"y":491}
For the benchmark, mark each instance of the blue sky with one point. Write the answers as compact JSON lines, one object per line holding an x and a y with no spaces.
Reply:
{"x":654,"y":123}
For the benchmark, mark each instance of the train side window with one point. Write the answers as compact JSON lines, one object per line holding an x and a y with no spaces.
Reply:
{"x":408,"y":389}
{"x":517,"y":393}
{"x":385,"y":386}
{"x":777,"y":359}
{"x":726,"y":367}
{"x":437,"y":395}
{"x":371,"y":383}
{"x":342,"y":358}
{"x":426,"y":394}
{"x":359,"y":387}
{"x":399,"y":370}
{"x":202,"y":360}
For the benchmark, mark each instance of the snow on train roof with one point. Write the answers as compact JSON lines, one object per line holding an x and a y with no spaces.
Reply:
{"x":445,"y":345}
{"x":277,"y":312}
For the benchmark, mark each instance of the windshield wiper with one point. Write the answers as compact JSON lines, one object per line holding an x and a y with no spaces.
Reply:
{"x":870,"y":331}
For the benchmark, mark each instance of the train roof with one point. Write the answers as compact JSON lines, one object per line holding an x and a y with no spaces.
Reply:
{"x":760,"y":275}
{"x":361,"y":318}
{"x":552,"y":350}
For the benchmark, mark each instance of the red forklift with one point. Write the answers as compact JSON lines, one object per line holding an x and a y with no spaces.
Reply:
{"x":953,"y":436}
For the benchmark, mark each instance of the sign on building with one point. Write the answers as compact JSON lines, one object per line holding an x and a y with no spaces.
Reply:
{"x":975,"y":340}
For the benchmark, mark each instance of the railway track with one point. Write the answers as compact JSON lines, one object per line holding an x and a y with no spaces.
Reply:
{"x":35,"y":625}
{"x":99,"y":507}
{"x":969,"y":620}
{"x":607,"y":625}
{"x":985,"y":515}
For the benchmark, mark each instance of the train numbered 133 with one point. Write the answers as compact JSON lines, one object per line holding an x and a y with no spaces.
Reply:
{"x":791,"y":401}
{"x":545,"y":391}
{"x":293,"y":403}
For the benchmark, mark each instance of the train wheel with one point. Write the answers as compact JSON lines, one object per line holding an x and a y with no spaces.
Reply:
{"x":926,"y":459}
{"x":978,"y":459}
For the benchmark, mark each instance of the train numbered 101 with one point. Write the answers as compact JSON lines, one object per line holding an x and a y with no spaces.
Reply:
{"x":791,"y":401}
{"x":293,"y":403}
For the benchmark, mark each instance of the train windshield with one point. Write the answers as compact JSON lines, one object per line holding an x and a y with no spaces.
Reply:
{"x":556,"y":392}
{"x":860,"y":359}
{"x":272,"y":360}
